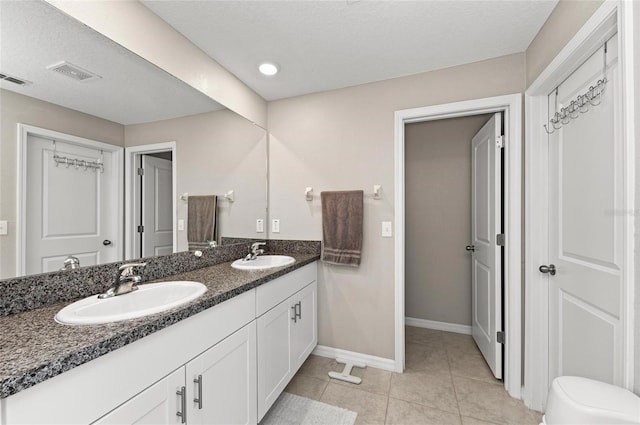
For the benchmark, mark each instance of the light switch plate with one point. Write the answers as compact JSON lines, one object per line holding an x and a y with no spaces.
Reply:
{"x":180,"y":224}
{"x":259,"y":225}
{"x":3,"y":227}
{"x":387,"y":230}
{"x":275,"y":225}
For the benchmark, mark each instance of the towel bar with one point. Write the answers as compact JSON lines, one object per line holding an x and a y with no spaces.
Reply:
{"x":377,"y":193}
{"x":229,"y":196}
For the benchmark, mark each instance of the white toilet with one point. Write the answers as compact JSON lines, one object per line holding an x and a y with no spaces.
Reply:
{"x":575,"y":400}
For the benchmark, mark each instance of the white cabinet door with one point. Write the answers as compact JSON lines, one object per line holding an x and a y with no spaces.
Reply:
{"x":274,"y":362}
{"x":287,"y":334}
{"x":221,"y":382}
{"x":304,"y":331}
{"x":158,"y":404}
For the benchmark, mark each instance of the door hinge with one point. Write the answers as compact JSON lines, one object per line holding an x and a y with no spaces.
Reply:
{"x":500,"y":142}
{"x":500,"y":337}
{"x":141,"y":171}
{"x":500,"y":239}
{"x":140,"y":229}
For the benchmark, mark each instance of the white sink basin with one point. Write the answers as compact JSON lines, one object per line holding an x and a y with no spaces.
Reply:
{"x":263,"y":262}
{"x":148,"y":299}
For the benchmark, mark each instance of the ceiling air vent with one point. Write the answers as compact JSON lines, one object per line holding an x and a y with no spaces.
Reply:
{"x":14,"y":80}
{"x":73,"y":71}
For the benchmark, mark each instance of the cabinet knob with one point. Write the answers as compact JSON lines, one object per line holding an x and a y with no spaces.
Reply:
{"x":295,"y":314}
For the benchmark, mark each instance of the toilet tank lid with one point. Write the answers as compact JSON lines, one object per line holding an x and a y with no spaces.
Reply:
{"x":597,"y":395}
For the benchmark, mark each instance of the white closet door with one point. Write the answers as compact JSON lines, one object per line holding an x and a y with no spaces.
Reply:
{"x":486,"y":219}
{"x":69,"y":210}
{"x":157,"y":208}
{"x":586,"y":236}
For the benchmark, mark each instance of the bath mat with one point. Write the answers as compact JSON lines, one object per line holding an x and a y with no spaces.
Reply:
{"x":291,"y":409}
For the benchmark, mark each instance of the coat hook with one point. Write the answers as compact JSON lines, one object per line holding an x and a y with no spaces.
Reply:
{"x":308,"y":194}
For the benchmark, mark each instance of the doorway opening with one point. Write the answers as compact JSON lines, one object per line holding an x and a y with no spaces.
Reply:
{"x":150,"y":187}
{"x":508,"y":107}
{"x":453,"y":275}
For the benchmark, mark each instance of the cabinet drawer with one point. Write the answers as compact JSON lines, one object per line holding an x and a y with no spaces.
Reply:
{"x":273,"y":293}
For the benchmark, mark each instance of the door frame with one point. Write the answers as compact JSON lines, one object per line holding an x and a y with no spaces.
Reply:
{"x":24,"y":130}
{"x":511,"y":106}
{"x":610,"y":17}
{"x":131,"y":156}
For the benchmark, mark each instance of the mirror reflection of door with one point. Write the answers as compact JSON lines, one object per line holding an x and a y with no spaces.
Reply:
{"x":71,"y":208}
{"x":154,"y":205}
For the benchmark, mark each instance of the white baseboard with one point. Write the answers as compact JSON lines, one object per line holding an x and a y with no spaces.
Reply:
{"x":373,"y":361}
{"x":439,"y":326}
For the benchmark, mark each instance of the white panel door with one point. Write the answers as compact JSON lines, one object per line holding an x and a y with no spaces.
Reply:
{"x":486,"y":219}
{"x":223,"y":381}
{"x":156,"y":405}
{"x":157,"y":208}
{"x":586,"y":237}
{"x":69,"y":210}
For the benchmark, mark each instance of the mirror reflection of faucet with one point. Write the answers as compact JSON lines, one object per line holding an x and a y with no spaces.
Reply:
{"x":125,"y":282}
{"x":254,"y":251}
{"x":70,"y":263}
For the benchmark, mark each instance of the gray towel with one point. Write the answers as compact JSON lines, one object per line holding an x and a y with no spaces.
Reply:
{"x":201,"y":219}
{"x":342,"y":217}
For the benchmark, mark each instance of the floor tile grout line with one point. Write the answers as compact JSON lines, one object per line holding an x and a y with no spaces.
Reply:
{"x":386,"y":410}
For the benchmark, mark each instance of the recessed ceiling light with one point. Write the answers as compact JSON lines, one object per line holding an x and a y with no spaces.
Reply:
{"x":268,"y":68}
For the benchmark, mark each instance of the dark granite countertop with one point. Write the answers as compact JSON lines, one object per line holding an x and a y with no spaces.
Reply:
{"x":34,"y":348}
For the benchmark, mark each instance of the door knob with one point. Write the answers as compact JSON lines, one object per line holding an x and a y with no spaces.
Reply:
{"x":106,"y":242}
{"x":551,"y":269}
{"x":470,"y":248}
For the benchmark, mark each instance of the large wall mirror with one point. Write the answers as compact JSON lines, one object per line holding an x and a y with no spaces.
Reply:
{"x":88,"y":115}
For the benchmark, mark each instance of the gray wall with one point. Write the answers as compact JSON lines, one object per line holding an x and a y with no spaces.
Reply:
{"x":16,"y":108}
{"x":343,"y":139}
{"x":438,"y":219}
{"x":564,"y":22}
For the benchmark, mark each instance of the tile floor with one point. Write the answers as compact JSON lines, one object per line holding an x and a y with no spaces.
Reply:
{"x":446,"y":381}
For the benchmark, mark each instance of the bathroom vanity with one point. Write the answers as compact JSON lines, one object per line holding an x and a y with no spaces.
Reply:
{"x":223,"y":358}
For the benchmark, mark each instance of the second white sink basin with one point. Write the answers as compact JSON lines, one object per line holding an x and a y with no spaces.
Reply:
{"x":263,"y":262}
{"x":148,"y":299}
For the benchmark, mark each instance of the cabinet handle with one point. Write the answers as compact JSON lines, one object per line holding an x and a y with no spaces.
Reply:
{"x":295,"y":314}
{"x":182,"y":414}
{"x":299,"y":314}
{"x":198,"y":399}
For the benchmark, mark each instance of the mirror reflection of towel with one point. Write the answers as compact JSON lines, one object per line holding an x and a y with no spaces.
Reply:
{"x":201,"y":219}
{"x":342,"y":218}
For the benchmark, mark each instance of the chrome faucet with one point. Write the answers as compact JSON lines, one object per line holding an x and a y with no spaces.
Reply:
{"x":254,"y":251}
{"x":125,"y":282}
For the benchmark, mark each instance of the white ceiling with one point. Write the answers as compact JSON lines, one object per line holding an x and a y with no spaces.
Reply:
{"x":324,"y":45}
{"x":319,"y":45}
{"x":34,"y":35}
